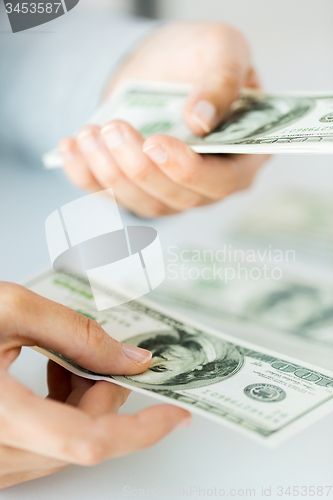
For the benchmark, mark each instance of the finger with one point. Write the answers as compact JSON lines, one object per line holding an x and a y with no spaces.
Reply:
{"x":68,"y":434}
{"x":21,"y":477}
{"x":58,"y":381}
{"x":29,"y":319}
{"x":142,"y":430}
{"x":252,"y":80}
{"x":76,"y":167}
{"x":16,"y":478}
{"x":16,"y":460}
{"x":225,"y":74}
{"x":125,"y":144}
{"x":101,"y":398}
{"x":212,"y":176}
{"x":108,"y":174}
{"x":79,"y":387}
{"x":95,"y":398}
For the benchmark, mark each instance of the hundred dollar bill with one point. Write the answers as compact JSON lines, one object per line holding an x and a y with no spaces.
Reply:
{"x":259,"y":294}
{"x":256,"y":391}
{"x":302,"y":220}
{"x":256,"y":123}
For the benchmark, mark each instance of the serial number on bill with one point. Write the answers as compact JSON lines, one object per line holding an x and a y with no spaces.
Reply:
{"x":304,"y":491}
{"x":32,"y":8}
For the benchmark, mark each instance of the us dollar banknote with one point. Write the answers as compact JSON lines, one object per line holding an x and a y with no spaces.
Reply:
{"x":256,"y":123}
{"x":257,"y":293}
{"x":258,"y":392}
{"x":290,"y":218}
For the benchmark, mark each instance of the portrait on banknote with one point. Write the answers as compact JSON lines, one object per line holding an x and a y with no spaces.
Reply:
{"x":182,"y":360}
{"x":256,"y":115}
{"x":294,"y":308}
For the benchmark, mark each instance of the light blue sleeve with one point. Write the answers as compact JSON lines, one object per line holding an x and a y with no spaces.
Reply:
{"x":51,"y":81}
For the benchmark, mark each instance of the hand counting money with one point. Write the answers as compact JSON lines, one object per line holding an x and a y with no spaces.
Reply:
{"x":261,"y":393}
{"x":257,"y":123}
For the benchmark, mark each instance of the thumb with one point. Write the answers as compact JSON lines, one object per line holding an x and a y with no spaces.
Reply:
{"x":225,"y":74}
{"x":29,"y":319}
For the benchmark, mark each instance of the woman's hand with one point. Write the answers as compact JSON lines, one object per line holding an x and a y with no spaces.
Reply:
{"x":77,"y":423}
{"x":162,"y":175}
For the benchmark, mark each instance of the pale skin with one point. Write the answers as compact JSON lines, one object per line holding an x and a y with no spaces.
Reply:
{"x":162,"y":175}
{"x":77,"y":423}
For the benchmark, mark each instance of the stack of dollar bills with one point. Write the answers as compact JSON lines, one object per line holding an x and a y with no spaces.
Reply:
{"x":257,"y":122}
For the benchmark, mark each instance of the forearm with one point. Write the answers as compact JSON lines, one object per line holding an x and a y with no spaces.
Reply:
{"x":52,"y":81}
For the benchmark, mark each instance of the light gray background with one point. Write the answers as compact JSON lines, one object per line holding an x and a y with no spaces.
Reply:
{"x":292,"y":44}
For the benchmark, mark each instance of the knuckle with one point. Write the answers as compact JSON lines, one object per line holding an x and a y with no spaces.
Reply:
{"x":230,"y":76}
{"x":92,"y":452}
{"x":219,"y":33}
{"x":186,"y":176}
{"x":246,"y":183}
{"x":244,"y":173}
{"x":111,"y":178}
{"x":120,"y":396}
{"x":87,"y":185}
{"x":12,"y":295}
{"x":196,"y":201}
{"x":94,"y":334}
{"x":234,"y":32}
{"x":153,"y":210}
{"x":226,"y":33}
{"x":124,"y":394}
{"x":230,"y":185}
{"x":88,"y":447}
{"x":106,"y":172}
{"x":144,"y":214}
{"x":187,"y":203}
{"x":159,"y":209}
{"x":65,"y":144}
{"x":80,"y":181}
{"x":90,"y":456}
{"x":224,"y":192}
{"x":139,"y":174}
{"x":89,"y":333}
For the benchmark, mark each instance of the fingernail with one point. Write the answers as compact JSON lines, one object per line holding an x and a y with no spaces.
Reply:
{"x":88,"y":141}
{"x":113,"y":136}
{"x":156,"y":153}
{"x":204,"y":114}
{"x":136,"y":354}
{"x":186,"y":422}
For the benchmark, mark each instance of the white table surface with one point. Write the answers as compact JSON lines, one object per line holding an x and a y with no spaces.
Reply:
{"x":206,"y":455}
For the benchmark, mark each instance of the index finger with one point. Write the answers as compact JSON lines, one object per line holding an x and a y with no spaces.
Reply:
{"x":212,"y":176}
{"x":68,"y":434}
{"x":29,"y":319}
